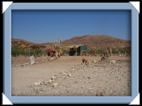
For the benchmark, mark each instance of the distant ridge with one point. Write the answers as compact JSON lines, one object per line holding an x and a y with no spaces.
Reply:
{"x":90,"y":40}
{"x":98,"y":41}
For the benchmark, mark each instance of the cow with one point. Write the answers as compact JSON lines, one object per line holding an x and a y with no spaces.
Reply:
{"x":52,"y":54}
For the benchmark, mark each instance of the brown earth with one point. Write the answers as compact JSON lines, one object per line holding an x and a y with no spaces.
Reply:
{"x":67,"y":76}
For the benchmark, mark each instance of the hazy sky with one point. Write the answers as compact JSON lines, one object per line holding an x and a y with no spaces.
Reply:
{"x":50,"y":25}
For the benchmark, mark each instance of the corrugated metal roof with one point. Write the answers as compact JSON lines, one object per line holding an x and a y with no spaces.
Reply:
{"x":72,"y":46}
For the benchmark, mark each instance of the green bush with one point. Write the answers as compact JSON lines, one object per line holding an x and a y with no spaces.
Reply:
{"x":16,"y":51}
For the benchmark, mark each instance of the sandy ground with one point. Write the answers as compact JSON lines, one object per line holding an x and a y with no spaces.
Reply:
{"x":66,"y":76}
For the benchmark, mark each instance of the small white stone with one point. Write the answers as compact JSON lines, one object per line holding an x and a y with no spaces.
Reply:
{"x":50,"y":81}
{"x":113,"y":61}
{"x":53,"y":77}
{"x":64,"y":73}
{"x":37,"y":83}
{"x":55,"y":85}
{"x":69,"y":75}
{"x":95,"y":61}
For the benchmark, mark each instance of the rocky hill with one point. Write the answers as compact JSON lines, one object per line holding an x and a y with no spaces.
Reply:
{"x":98,"y":41}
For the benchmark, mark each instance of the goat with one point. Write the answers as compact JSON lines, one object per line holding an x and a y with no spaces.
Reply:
{"x":84,"y":61}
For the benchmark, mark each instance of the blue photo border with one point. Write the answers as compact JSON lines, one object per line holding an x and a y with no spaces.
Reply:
{"x":72,"y":99}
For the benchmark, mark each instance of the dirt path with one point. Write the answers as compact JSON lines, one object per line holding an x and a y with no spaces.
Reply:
{"x":72,"y":78}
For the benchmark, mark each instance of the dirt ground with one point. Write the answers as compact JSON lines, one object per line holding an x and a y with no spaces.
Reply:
{"x":66,"y":76}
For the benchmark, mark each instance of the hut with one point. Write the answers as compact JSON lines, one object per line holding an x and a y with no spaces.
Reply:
{"x":77,"y":50}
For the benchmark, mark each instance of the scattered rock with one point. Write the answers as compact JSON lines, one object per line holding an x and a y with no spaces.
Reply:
{"x":45,"y":82}
{"x":64,"y":73}
{"x":112,"y":61}
{"x":53,"y":78}
{"x":54,"y":85}
{"x":50,"y":81}
{"x":69,"y":75}
{"x":94,"y":61}
{"x":37,"y":83}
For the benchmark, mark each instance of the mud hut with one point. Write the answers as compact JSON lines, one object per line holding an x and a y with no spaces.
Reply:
{"x":77,"y":50}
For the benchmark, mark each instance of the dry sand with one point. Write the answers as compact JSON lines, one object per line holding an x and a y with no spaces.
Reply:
{"x":67,"y":77}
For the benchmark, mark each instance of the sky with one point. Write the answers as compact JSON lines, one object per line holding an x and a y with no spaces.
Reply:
{"x":42,"y":26}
